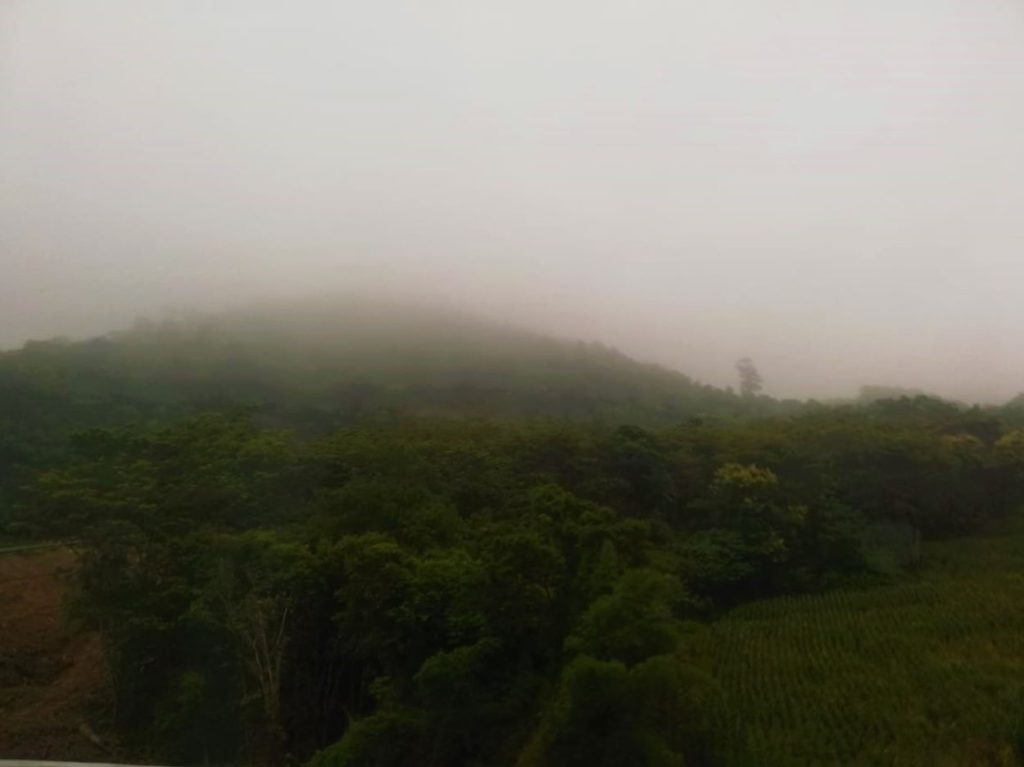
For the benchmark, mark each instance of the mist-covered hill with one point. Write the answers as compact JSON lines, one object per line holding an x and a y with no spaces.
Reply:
{"x":535,"y":580}
{"x":325,"y":363}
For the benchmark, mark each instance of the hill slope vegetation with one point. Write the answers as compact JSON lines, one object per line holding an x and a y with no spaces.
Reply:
{"x":409,"y":540}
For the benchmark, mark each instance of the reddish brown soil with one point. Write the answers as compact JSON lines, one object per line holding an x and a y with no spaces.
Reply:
{"x":54,"y":694}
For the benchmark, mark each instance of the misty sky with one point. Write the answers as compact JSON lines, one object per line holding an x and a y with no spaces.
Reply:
{"x":831,"y":187}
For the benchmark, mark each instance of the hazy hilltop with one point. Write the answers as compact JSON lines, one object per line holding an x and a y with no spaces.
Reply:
{"x":320,"y":363}
{"x":540,"y":384}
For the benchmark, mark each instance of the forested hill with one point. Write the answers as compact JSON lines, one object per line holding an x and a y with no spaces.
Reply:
{"x":431,"y":589}
{"x":321,"y":365}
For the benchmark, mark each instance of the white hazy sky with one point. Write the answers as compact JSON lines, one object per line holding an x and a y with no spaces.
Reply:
{"x":832,"y":187}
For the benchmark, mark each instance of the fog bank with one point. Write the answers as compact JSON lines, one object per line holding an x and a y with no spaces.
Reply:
{"x":827,"y":187}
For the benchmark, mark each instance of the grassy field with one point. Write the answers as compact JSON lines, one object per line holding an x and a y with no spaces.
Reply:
{"x":928,"y":671}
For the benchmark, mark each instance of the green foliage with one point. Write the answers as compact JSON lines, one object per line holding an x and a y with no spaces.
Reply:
{"x":197,"y":722}
{"x":389,"y":738}
{"x":635,"y":621}
{"x":442,"y":591}
{"x":316,"y":367}
{"x":605,"y":713}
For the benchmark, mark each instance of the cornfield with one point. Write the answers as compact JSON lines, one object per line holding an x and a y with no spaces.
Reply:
{"x":927,"y":671}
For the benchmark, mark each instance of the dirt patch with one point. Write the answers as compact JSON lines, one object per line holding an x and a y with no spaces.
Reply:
{"x":54,"y":693}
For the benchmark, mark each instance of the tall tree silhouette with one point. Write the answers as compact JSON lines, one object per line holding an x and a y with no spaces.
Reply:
{"x":750,"y":380}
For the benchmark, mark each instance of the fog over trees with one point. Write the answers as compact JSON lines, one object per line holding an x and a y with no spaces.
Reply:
{"x":586,"y":383}
{"x":828,"y":188}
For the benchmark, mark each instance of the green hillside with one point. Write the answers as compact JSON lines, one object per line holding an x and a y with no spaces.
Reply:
{"x":324,"y":364}
{"x":926,"y":671}
{"x":332,"y":362}
{"x":349,"y":536}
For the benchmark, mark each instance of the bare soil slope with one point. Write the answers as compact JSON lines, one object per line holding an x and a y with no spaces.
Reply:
{"x":54,"y":693}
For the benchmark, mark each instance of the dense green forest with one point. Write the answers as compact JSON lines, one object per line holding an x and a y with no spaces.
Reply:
{"x":322,"y":365}
{"x":348,"y":539}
